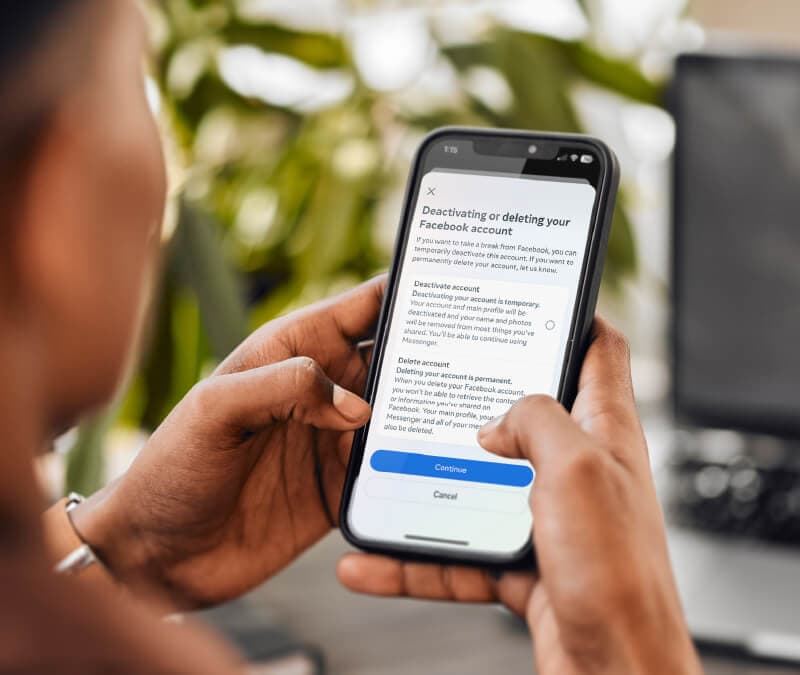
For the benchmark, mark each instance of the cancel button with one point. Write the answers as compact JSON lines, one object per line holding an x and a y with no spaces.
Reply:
{"x":447,"y":496}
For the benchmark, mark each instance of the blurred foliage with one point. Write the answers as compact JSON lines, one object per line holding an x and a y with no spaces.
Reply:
{"x":277,"y":207}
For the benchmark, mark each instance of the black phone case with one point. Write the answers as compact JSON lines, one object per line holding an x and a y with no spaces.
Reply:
{"x":578,"y":342}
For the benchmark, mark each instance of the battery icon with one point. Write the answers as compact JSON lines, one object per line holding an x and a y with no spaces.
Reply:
{"x":586,"y":159}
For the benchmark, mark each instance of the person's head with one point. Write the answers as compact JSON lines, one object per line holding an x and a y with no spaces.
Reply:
{"x":82,"y":187}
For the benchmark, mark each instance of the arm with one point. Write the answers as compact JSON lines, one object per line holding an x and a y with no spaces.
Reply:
{"x":246,"y":472}
{"x":604,"y":600}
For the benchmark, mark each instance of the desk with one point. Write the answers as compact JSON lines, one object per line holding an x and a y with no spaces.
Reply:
{"x":375,"y":636}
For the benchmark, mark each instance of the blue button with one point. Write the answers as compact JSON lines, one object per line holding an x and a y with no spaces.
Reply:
{"x":415,"y":464}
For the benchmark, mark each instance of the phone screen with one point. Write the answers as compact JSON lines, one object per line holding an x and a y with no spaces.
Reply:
{"x":483,"y":308}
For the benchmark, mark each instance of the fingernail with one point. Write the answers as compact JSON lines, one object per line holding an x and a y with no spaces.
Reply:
{"x":490,"y":426}
{"x":348,"y":404}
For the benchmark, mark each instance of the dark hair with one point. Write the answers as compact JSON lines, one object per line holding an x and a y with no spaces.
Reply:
{"x":24,"y":95}
{"x":21,"y":24}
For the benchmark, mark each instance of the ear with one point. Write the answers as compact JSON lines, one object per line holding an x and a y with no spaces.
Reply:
{"x":59,"y":278}
{"x":49,"y":204}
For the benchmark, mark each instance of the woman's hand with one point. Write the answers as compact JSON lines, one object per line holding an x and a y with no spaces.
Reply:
{"x":247,"y":471}
{"x":604,"y":600}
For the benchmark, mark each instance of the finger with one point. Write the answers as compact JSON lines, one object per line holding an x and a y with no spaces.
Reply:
{"x":377,"y":575}
{"x":514,"y":590}
{"x":605,"y":405}
{"x":537,"y":428}
{"x":356,"y":311}
{"x":296,"y":389}
{"x":350,"y":316}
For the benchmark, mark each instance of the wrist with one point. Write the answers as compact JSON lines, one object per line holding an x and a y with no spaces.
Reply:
{"x":674,"y":655}
{"x":658,"y":641}
{"x":106,"y":525}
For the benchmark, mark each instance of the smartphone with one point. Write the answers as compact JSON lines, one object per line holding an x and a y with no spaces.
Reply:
{"x":490,"y":298}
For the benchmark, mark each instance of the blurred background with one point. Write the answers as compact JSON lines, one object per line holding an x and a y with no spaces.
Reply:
{"x":290,"y":126}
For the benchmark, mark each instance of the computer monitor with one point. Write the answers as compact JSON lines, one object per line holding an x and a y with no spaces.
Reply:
{"x":736,"y":243}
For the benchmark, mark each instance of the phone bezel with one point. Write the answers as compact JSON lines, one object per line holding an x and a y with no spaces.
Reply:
{"x":577,"y":343}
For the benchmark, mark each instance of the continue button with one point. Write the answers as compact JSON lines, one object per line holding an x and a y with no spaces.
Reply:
{"x":415,"y":464}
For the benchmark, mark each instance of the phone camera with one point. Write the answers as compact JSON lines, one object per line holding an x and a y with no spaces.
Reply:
{"x":532,"y":149}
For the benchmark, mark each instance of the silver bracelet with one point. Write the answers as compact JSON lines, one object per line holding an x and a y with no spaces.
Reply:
{"x":83,"y":556}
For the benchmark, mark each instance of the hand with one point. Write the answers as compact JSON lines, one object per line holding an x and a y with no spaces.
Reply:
{"x":605,"y":600}
{"x":247,"y":471}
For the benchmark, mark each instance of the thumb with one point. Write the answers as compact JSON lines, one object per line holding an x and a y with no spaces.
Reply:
{"x":536,"y":428}
{"x":296,"y":389}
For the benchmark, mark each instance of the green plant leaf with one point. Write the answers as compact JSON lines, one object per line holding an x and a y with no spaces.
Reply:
{"x":85,"y":461}
{"x":316,"y":49}
{"x":618,"y":76}
{"x":200,"y":264}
